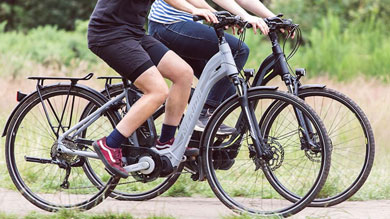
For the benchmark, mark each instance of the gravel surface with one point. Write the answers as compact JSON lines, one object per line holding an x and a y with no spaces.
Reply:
{"x":194,"y":208}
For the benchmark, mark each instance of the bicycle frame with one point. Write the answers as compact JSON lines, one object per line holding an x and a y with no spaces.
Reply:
{"x":277,"y":62}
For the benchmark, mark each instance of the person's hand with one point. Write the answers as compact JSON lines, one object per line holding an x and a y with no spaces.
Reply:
{"x":257,"y":23}
{"x":207,"y":14}
{"x":292,"y":34}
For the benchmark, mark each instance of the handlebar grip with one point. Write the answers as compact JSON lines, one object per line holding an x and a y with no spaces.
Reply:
{"x":197,"y":18}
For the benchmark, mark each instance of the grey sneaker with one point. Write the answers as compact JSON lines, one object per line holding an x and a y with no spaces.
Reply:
{"x":202,"y":122}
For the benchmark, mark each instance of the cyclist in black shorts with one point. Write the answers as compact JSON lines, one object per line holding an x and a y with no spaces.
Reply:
{"x":116,"y":34}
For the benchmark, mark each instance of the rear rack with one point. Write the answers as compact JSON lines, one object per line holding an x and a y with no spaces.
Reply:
{"x":41,"y":79}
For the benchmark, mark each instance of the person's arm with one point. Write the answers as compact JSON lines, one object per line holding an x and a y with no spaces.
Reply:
{"x":184,"y":5}
{"x":256,"y":7}
{"x":259,"y":9}
{"x":234,"y":8}
{"x":201,"y":4}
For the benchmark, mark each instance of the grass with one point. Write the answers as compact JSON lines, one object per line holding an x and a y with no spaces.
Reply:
{"x":66,"y":214}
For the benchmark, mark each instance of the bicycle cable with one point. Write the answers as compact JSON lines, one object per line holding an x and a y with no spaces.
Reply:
{"x":295,"y":47}
{"x":241,"y":40}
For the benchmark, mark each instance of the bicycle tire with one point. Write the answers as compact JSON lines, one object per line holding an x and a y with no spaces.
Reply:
{"x":125,"y":192}
{"x":234,"y":193}
{"x":347,"y":173}
{"x":43,"y":194}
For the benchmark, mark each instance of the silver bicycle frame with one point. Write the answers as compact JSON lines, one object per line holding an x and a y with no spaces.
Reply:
{"x":220,"y":65}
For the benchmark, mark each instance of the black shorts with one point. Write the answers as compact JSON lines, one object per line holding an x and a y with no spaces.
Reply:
{"x":130,"y":58}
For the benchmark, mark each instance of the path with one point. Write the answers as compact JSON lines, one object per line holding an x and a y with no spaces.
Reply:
{"x":199,"y":208}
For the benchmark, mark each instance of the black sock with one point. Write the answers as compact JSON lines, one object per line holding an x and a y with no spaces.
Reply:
{"x":115,"y":139}
{"x":167,"y":133}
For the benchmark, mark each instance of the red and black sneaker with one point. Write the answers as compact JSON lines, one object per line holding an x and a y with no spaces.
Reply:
{"x":167,"y":144}
{"x":111,"y":157}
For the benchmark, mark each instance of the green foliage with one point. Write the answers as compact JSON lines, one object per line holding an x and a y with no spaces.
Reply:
{"x":22,"y":15}
{"x":46,"y":45}
{"x":309,"y":13}
{"x":360,"y":48}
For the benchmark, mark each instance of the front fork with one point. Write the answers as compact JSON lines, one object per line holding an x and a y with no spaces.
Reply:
{"x":306,"y":128}
{"x":249,"y":115}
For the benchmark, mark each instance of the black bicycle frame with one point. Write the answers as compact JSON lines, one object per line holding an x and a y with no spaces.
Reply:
{"x":274,"y":65}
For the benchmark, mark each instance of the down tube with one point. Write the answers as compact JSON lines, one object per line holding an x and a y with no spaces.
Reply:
{"x":212,"y":73}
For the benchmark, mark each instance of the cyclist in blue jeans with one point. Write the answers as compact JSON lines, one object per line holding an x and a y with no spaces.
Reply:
{"x":196,"y":43}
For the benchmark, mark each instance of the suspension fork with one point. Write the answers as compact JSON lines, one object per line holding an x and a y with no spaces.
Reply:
{"x":292,"y":85}
{"x":249,"y":116}
{"x":306,"y":127}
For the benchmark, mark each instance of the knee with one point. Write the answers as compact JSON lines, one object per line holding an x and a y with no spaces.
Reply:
{"x":161,"y":94}
{"x":158,"y":93}
{"x":184,"y":75}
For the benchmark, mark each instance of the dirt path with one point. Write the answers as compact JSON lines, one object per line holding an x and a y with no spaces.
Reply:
{"x":197,"y":208}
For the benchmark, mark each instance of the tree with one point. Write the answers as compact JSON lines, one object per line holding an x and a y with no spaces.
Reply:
{"x":21,"y":14}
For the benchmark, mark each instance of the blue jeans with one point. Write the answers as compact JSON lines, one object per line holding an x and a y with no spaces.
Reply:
{"x":196,"y":43}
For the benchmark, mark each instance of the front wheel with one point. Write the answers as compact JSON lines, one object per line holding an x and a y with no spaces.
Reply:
{"x":246,"y":183}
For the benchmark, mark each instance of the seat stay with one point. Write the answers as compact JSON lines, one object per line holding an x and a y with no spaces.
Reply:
{"x":83,"y":124}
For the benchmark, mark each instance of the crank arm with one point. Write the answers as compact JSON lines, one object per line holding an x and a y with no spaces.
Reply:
{"x":137,"y":167}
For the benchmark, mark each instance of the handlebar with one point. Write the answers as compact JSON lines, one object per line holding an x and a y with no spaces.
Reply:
{"x":227,"y":19}
{"x":276,"y":23}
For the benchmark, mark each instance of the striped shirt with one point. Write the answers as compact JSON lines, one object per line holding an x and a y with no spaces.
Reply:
{"x":162,"y":12}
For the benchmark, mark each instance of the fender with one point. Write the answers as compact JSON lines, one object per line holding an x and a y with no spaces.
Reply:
{"x":307,"y":86}
{"x":101,"y":96}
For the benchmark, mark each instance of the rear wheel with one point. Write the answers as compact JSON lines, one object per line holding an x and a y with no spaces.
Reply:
{"x":352,"y":143}
{"x":353,"y":146}
{"x":246,"y":183}
{"x":48,"y":179}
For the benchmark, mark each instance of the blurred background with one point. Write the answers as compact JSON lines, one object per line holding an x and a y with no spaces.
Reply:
{"x":346,"y":45}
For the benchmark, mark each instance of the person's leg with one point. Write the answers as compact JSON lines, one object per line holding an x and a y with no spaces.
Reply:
{"x":130,"y":60}
{"x":155,"y":91}
{"x":180,"y":73}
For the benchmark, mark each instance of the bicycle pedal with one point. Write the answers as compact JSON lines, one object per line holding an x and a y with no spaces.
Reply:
{"x":191,"y":152}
